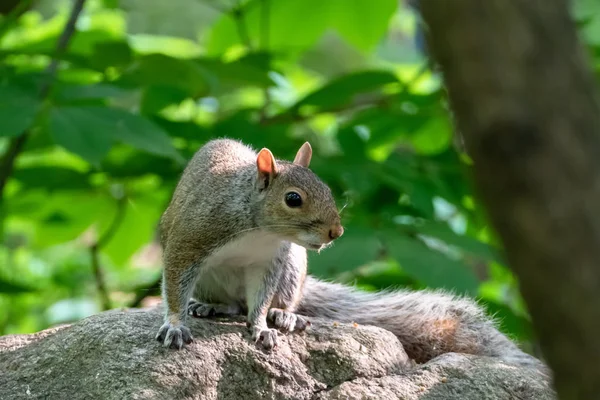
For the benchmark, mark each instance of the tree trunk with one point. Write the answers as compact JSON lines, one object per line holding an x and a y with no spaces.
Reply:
{"x":526,"y":103}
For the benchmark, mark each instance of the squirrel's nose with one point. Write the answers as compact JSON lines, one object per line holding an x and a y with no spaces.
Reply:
{"x":336,"y":232}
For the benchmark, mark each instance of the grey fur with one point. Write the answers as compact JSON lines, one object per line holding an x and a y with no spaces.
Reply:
{"x":229,"y":239}
{"x":260,"y":290}
{"x":287,"y":321}
{"x":198,"y":309}
{"x":186,"y":286}
{"x":428,"y":323}
{"x":228,"y":235}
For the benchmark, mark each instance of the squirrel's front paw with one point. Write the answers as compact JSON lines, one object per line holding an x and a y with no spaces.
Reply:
{"x":267,"y":337}
{"x":287,"y":321}
{"x":174,"y":336}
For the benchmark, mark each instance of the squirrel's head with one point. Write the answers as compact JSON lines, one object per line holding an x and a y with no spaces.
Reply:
{"x":295,"y":203}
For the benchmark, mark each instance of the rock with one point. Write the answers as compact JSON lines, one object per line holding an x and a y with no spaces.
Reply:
{"x":113,"y":355}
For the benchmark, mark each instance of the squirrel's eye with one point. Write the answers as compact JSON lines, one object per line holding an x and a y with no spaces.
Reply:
{"x":293,"y":199}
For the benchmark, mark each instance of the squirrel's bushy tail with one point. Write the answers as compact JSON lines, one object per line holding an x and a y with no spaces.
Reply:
{"x":428,"y":323}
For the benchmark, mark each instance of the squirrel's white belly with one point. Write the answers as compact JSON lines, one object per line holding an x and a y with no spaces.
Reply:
{"x":254,"y":248}
{"x":222,"y":277}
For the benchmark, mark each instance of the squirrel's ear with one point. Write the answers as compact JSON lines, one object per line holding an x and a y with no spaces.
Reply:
{"x":304,"y":155}
{"x":267,"y":167}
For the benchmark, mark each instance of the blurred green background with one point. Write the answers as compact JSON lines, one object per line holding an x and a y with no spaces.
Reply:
{"x":144,"y":83}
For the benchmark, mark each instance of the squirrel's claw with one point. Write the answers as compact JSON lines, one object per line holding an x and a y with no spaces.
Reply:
{"x":199,"y":310}
{"x":287,"y":321}
{"x":174,"y":336}
{"x":267,"y":337}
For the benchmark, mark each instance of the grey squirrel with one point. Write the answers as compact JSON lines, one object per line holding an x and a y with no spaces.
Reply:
{"x":235,"y":237}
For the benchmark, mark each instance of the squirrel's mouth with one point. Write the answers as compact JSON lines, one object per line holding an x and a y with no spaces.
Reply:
{"x":312,"y":246}
{"x":309,"y":241}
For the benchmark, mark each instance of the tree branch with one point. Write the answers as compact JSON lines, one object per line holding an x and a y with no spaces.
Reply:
{"x":240,"y":21}
{"x":264,"y":45}
{"x":216,"y":7}
{"x":99,"y":277}
{"x":8,"y":160}
{"x":16,"y":145}
{"x":116,"y":222}
{"x":367,"y":101}
{"x":142,"y":292}
{"x":265,"y":8}
{"x":95,"y":253}
{"x":526,"y":103}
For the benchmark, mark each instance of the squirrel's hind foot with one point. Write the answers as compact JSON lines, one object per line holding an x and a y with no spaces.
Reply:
{"x":174,"y":336}
{"x":202,"y":310}
{"x":287,"y":321}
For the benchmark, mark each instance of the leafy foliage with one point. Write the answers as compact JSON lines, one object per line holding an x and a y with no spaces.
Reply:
{"x":128,"y":108}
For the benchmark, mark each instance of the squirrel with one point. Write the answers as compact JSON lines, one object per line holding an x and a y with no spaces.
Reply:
{"x":235,"y":238}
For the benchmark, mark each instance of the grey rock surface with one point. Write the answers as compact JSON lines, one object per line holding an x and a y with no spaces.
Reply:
{"x":113,"y":355}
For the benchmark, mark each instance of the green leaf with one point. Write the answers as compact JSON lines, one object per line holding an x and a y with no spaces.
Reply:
{"x":110,"y":4}
{"x":290,"y":26}
{"x":60,"y":216}
{"x":212,"y":75}
{"x":9,"y":287}
{"x":51,"y":178}
{"x":425,"y":177}
{"x":164,"y":71}
{"x":81,"y":44}
{"x":157,"y":98}
{"x":390,"y":126}
{"x":122,"y":163}
{"x":465,"y":243}
{"x":435,"y":136}
{"x":81,"y":132}
{"x":344,"y":90}
{"x":137,"y":228}
{"x":18,"y":109}
{"x":352,"y":144}
{"x":89,"y":131}
{"x":115,"y":53}
{"x":371,"y":16}
{"x":189,"y":131}
{"x":260,"y":60}
{"x":431,"y":267}
{"x":66,"y":215}
{"x":355,"y":248}
{"x":242,"y":122}
{"x":384,"y":275}
{"x":138,"y":132}
{"x":247,"y":71}
{"x":67,"y":92}
{"x":402,"y":176}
